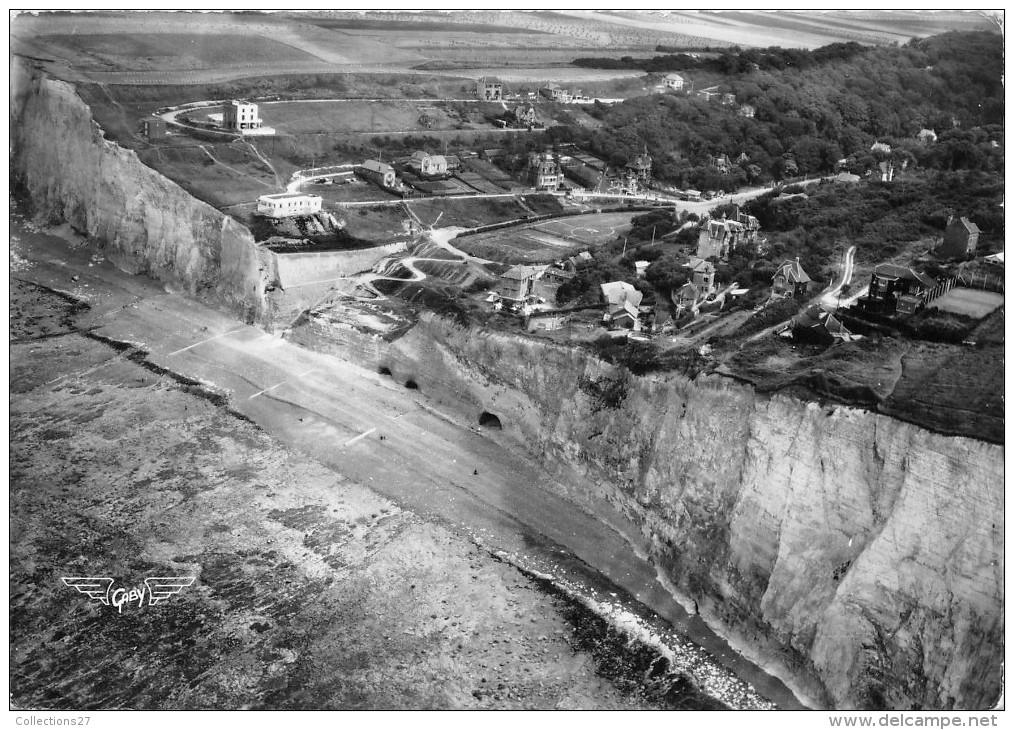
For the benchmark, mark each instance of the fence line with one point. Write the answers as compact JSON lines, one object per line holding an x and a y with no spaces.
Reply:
{"x":987,"y":282}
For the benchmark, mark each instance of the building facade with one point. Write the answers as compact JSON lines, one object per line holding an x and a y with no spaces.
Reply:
{"x":961,"y":238}
{"x":703,"y":273}
{"x":674,"y":81}
{"x":427,"y":164}
{"x":489,"y":88}
{"x":718,"y":238}
{"x":899,"y":289}
{"x":378,"y":172}
{"x":241,"y":116}
{"x":790,"y":280}
{"x":154,"y":127}
{"x":545,"y":171}
{"x":286,"y":205}
{"x":515,"y":286}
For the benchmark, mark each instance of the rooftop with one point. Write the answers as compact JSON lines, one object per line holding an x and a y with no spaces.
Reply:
{"x":286,"y":196}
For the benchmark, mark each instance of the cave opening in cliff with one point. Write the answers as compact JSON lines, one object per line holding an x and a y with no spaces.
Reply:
{"x":488,"y":420}
{"x":411,"y":385}
{"x":384,"y":370}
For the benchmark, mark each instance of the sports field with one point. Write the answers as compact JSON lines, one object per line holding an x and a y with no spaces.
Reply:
{"x":547,"y":241}
{"x":970,"y":302}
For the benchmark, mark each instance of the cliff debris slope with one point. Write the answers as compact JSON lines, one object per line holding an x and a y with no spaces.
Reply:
{"x":861,"y":554}
{"x":146,"y":222}
{"x":311,"y":591}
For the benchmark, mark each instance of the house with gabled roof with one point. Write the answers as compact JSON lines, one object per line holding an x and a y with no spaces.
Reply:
{"x":702,"y":272}
{"x":379,"y":172}
{"x":622,"y":301}
{"x":685,"y":298}
{"x":515,"y":286}
{"x":718,"y":237}
{"x":428,"y":165}
{"x":819,"y":325}
{"x":640,"y":166}
{"x":674,"y":81}
{"x":790,"y":280}
{"x":960,"y":238}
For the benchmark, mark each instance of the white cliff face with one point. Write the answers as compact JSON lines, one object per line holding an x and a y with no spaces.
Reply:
{"x":146,"y":222}
{"x":859,"y":554}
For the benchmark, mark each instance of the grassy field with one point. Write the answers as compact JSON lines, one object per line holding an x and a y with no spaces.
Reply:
{"x":351,"y":116}
{"x":380,"y":223}
{"x":546,"y":241}
{"x":169,"y":51}
{"x":219,"y":174}
{"x":971,"y":302}
{"x":467,"y":212}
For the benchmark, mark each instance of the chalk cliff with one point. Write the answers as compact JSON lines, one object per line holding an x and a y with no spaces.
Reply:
{"x":855,"y":555}
{"x":858,"y":556}
{"x":146,"y":222}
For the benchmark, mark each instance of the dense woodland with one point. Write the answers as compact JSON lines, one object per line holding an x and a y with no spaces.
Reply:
{"x":814,"y":108}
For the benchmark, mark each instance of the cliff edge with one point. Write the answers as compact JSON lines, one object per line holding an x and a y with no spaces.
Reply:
{"x":146,"y":223}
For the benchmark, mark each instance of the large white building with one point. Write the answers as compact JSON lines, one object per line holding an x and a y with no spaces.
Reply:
{"x":284,"y":205}
{"x":240,"y":116}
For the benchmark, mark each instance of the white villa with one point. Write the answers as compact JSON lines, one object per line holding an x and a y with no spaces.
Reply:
{"x":285,"y":205}
{"x":242,"y":117}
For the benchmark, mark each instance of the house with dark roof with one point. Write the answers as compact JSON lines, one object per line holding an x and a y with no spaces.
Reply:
{"x":154,"y":127}
{"x":515,"y":286}
{"x":640,"y":167}
{"x":896,"y":289}
{"x":544,"y":171}
{"x":554,"y":92}
{"x":703,"y":273}
{"x":960,"y":238}
{"x":790,"y":280}
{"x":818,"y":325}
{"x":899,"y":289}
{"x":489,"y":88}
{"x":718,"y":237}
{"x":662,"y":320}
{"x":525,"y":116}
{"x":379,"y":172}
{"x":685,"y":298}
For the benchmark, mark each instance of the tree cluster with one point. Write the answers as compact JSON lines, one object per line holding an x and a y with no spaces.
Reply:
{"x":813,"y":109}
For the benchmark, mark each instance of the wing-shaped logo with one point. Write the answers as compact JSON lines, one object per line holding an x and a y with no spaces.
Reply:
{"x":161,"y":589}
{"x":95,"y":588}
